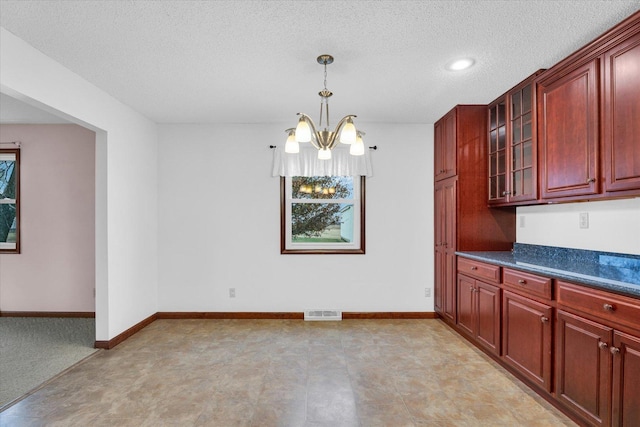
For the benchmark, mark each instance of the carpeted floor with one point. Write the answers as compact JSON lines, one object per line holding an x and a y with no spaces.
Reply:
{"x":34,"y":350}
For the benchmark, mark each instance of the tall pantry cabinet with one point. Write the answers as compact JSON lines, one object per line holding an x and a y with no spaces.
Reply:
{"x":463,"y":221}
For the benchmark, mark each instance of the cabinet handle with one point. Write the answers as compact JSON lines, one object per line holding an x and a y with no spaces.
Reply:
{"x":603,"y":345}
{"x":471,"y":288}
{"x":544,"y":319}
{"x":522,"y":282}
{"x":614,"y":350}
{"x":474,"y":268}
{"x":590,"y":180}
{"x":506,"y":193}
{"x":608,"y":307}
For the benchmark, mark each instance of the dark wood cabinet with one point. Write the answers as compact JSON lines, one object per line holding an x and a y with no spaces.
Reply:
{"x":445,"y":240}
{"x":568,"y":132}
{"x":583,"y":367}
{"x":626,"y":380}
{"x":598,"y":355}
{"x":466,"y":311}
{"x":463,"y":220}
{"x":498,"y":152}
{"x":445,"y":146}
{"x":589,"y":119}
{"x":479,"y":312}
{"x":526,"y":337}
{"x":621,"y":118}
{"x":513,"y":176}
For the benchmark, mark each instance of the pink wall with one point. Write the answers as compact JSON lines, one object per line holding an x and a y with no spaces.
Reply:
{"x":55,"y":270}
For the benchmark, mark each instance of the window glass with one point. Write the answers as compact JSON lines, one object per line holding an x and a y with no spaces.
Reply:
{"x":9,"y":201}
{"x":323,"y":215}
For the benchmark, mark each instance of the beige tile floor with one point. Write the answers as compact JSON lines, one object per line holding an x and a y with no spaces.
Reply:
{"x":287,"y":373}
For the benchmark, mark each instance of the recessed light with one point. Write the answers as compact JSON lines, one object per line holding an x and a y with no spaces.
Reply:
{"x":460,"y":64}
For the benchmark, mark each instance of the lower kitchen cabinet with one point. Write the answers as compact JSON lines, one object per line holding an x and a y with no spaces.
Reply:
{"x":576,"y":345}
{"x":527,"y":337}
{"x":597,"y":371}
{"x":479,"y":312}
{"x":626,"y":380}
{"x":583,"y":367}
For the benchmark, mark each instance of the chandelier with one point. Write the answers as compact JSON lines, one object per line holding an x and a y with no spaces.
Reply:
{"x":325,"y":140}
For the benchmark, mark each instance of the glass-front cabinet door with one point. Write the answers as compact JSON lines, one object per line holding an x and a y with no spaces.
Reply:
{"x":512,"y":150}
{"x":497,"y":152}
{"x":522,"y":175}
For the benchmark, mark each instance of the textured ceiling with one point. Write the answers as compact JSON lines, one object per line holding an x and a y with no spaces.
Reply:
{"x":254,"y":61}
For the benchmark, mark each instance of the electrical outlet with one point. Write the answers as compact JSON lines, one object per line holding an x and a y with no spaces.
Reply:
{"x":584,"y":219}
{"x":427,"y":292}
{"x":232,"y":292}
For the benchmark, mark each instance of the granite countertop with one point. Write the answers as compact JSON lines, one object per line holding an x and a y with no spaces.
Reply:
{"x":619,"y":273}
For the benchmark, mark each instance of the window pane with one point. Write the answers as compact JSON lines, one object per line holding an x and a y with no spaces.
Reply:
{"x":526,"y":126}
{"x":8,"y":223}
{"x":502,"y":138}
{"x":527,"y":181}
{"x":493,"y":187}
{"x":526,"y":99}
{"x":527,"y":158}
{"x":501,"y":162}
{"x":493,"y":118}
{"x":493,"y":137}
{"x":501,"y":185}
{"x":7,"y":179}
{"x":516,"y":131}
{"x":322,"y":187}
{"x":8,"y":219}
{"x":322,"y":223}
{"x":493,"y":161}
{"x":515,"y":155}
{"x":501,"y":117}
{"x":515,"y":105}
{"x":516,"y":187}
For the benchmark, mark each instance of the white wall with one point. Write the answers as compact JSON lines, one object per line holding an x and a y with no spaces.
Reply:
{"x":55,"y":270}
{"x":219,"y":226}
{"x":614,"y":225}
{"x":126,"y":179}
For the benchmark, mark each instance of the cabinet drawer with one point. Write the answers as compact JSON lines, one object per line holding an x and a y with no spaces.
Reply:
{"x":479,"y":269}
{"x":604,"y":305}
{"x":526,"y":283}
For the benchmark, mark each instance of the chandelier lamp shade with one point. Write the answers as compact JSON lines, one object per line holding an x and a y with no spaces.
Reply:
{"x":324,"y":140}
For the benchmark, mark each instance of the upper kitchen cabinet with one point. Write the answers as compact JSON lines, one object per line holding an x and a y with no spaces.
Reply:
{"x":568,"y":134}
{"x":621,"y":102}
{"x":497,"y":152}
{"x":445,"y":129}
{"x":589,"y":119}
{"x":512,"y":146}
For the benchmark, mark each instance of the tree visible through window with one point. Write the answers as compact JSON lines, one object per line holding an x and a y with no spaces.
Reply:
{"x":9,"y":207}
{"x":323,"y":214}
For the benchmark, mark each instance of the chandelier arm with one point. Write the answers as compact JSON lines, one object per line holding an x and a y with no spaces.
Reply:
{"x":314,"y":131}
{"x":336,"y":132}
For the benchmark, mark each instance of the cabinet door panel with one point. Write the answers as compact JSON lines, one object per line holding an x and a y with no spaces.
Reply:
{"x":622,"y":116}
{"x":568,"y":133}
{"x":438,"y":290}
{"x":488,"y":316}
{"x":450,"y":146}
{"x":466,"y":309}
{"x":449,"y":288}
{"x":626,"y":381}
{"x":583,"y":366}
{"x":526,"y":337}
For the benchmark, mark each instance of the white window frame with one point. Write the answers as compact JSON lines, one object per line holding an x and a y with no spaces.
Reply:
{"x":357,"y":246}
